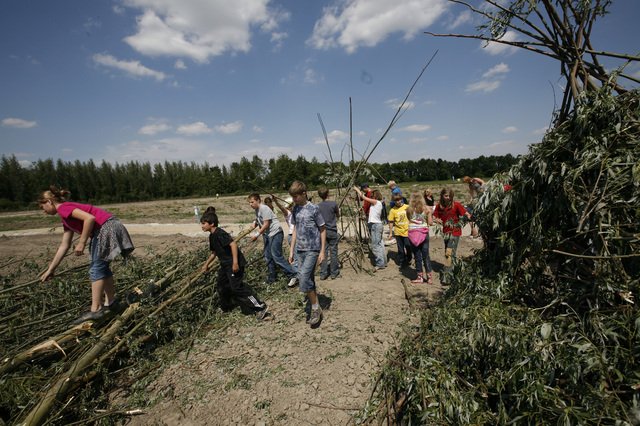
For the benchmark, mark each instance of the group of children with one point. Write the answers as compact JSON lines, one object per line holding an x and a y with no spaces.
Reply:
{"x":313,"y":239}
{"x":409,"y":224}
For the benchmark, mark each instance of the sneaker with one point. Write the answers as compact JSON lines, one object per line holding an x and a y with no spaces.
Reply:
{"x":380,"y":268}
{"x":333,"y":277}
{"x":115,"y":306}
{"x":323,"y":277}
{"x":89,"y":316}
{"x":315,"y":317}
{"x":292,"y":282}
{"x":262,"y":314}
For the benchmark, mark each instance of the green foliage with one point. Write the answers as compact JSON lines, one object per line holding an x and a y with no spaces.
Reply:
{"x":540,"y":326}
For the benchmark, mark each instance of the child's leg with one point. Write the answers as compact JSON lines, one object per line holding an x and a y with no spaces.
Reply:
{"x":332,"y":244}
{"x":275,"y":247}
{"x":242,"y":294}
{"x":101,"y":279}
{"x":401,"y":259}
{"x":99,"y":288}
{"x":426,"y":258}
{"x":417,"y":253}
{"x":307,"y":265}
{"x":268,"y":258}
{"x":223,"y":287}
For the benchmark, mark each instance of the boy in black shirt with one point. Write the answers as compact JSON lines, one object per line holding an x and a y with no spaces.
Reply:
{"x":231,"y":289}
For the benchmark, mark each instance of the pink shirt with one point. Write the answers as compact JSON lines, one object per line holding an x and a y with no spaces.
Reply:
{"x":75,"y":225}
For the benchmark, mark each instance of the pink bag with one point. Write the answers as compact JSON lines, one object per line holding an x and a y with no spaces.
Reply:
{"x":418,"y":235}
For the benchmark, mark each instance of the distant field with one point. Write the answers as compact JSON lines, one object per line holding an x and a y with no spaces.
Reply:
{"x":230,"y":209}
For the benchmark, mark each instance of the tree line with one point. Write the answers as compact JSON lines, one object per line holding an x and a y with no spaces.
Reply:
{"x":135,"y":181}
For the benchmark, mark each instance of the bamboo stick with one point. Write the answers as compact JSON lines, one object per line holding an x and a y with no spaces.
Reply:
{"x":59,"y":389}
{"x":53,"y":344}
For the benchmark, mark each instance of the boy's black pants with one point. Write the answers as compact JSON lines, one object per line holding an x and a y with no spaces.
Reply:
{"x":233,"y":291}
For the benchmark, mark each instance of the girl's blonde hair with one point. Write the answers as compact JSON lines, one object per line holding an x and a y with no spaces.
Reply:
{"x":416,"y":204}
{"x":54,"y":194}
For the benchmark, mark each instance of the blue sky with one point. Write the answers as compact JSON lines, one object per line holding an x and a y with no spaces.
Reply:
{"x":215,"y":80}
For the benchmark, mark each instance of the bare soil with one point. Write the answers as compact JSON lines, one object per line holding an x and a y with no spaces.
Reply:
{"x":280,"y":371}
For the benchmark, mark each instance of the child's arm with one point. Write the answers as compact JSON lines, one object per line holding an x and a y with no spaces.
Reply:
{"x":429,"y":213}
{"x":371,"y":201}
{"x":265,"y":225}
{"x":208,"y":262}
{"x":282,"y":208}
{"x":62,"y":250}
{"x":88,"y":222}
{"x":234,"y":254}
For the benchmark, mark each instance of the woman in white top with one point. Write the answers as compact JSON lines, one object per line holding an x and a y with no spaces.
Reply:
{"x":375,"y":226}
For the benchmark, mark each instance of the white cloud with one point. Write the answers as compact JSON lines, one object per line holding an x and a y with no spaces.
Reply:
{"x":153,"y":129}
{"x":133,"y":68}
{"x":334,"y":137}
{"x":278,"y":38}
{"x":229,"y":128}
{"x":200,"y":29}
{"x":180,"y":65}
{"x":395,"y":104}
{"x":117,"y":9}
{"x":416,"y":128}
{"x":257,"y":129}
{"x":501,"y":144}
{"x":311,"y":76}
{"x":18,"y":123}
{"x":541,"y":131}
{"x":499,"y":69}
{"x":356,"y":23}
{"x":463,"y":18}
{"x":483,"y":86}
{"x":193,"y":129}
{"x":157,"y":151}
{"x":494,"y":48}
{"x":418,"y":140}
{"x":510,"y":129}
{"x":442,"y":138}
{"x":491,"y":79}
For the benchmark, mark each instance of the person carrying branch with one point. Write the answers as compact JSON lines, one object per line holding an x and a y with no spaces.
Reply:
{"x":448,"y":213}
{"x":107,"y":238}
{"x":269,"y":227}
{"x":230,"y":285}
{"x":376,"y":227}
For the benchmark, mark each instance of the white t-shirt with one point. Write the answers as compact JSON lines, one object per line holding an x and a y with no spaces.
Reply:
{"x":375,"y":212}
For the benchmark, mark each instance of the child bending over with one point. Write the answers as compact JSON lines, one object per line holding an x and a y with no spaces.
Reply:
{"x":108,"y":238}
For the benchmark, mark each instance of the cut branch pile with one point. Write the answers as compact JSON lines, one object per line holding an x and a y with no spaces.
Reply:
{"x":542,"y":325}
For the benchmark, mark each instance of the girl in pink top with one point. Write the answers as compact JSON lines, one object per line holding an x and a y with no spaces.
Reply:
{"x":107,"y":236}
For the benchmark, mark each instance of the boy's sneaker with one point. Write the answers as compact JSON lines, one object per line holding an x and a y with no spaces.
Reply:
{"x":333,"y":277}
{"x":262,"y":314}
{"x":315,"y":317}
{"x":115,"y":306}
{"x":292,"y":282}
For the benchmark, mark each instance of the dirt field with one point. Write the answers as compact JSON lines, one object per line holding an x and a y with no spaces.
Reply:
{"x":274,"y":372}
